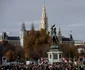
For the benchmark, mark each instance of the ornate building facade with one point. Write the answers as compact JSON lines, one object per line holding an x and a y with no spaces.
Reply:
{"x":43,"y":25}
{"x":14,"y":40}
{"x":63,"y":39}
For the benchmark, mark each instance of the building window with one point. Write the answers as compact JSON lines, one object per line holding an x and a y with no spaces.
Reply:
{"x":50,"y":56}
{"x":59,"y":55}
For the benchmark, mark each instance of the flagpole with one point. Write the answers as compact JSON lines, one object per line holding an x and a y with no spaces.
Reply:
{"x":4,"y":29}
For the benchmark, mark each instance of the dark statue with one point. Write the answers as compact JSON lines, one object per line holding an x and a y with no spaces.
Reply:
{"x":53,"y":34}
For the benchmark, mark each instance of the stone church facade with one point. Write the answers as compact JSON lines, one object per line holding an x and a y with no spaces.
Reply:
{"x":44,"y":25}
{"x":19,"y":41}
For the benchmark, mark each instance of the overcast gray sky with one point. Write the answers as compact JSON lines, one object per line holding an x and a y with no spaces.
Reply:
{"x":69,"y":14}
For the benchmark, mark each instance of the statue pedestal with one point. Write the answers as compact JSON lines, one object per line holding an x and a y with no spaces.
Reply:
{"x":54,"y":55}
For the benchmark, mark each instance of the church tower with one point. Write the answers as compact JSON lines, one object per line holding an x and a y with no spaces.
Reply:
{"x":22,"y":34}
{"x":59,"y":35}
{"x":44,"y":20}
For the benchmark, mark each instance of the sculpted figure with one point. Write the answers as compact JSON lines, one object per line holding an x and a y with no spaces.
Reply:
{"x":53,"y":34}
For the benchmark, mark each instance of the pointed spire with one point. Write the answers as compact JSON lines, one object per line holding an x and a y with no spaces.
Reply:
{"x":59,"y":30}
{"x":23,"y":33}
{"x":43,"y":12}
{"x":44,"y":20}
{"x":23,"y":27}
{"x":44,"y":8}
{"x":32,"y":26}
{"x":59,"y":34}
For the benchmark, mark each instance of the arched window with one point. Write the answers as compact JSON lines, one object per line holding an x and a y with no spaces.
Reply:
{"x":50,"y":56}
{"x":59,"y":55}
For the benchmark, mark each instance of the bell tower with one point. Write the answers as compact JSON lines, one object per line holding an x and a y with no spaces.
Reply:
{"x":22,"y":34}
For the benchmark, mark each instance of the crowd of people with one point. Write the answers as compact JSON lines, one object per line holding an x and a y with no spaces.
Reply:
{"x":55,"y":66}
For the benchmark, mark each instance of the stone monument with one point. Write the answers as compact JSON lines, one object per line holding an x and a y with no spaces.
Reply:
{"x":54,"y":54}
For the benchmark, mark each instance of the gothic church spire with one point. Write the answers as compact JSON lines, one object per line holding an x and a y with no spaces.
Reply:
{"x":23,"y":27}
{"x":44,"y":20}
{"x":59,"y":34}
{"x":23,"y":32}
